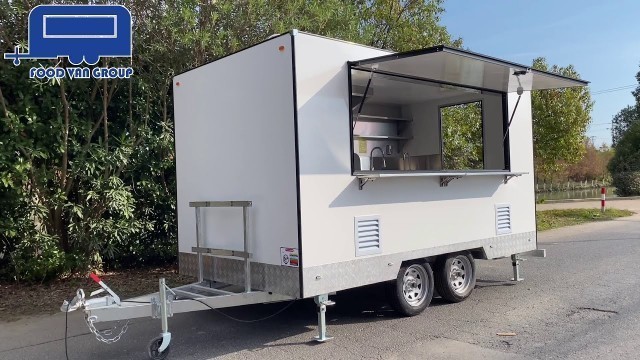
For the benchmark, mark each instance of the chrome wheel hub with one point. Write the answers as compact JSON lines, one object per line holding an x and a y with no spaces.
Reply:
{"x":460,"y":274}
{"x":415,"y":285}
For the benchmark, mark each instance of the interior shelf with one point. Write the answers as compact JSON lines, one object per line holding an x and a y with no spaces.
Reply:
{"x":381,"y":137}
{"x":363,"y":117}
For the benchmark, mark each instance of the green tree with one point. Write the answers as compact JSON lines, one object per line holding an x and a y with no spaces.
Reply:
{"x":462,"y":146}
{"x":83,"y":162}
{"x":87,"y":175}
{"x":560,"y":121}
{"x":593,"y":165}
{"x":403,"y":25}
{"x":625,"y":164}
{"x":622,"y":121}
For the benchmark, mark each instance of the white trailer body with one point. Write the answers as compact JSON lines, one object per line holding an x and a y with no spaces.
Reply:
{"x":280,"y":124}
{"x":281,"y":195}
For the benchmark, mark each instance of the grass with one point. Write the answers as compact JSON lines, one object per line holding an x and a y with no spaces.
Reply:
{"x":551,"y":219}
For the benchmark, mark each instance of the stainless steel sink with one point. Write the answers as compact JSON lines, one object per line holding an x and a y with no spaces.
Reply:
{"x":393,"y":163}
{"x":423,"y":162}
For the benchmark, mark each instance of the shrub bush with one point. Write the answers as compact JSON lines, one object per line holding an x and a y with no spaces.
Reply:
{"x":625,"y":164}
{"x":627,"y":183}
{"x":38,"y":259}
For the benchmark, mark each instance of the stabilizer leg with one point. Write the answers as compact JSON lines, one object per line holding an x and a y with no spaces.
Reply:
{"x":515,"y":262}
{"x":322,"y":301}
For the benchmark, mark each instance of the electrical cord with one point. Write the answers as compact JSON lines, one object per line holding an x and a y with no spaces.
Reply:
{"x":66,"y":317}
{"x":66,"y":325}
{"x":246,"y":321}
{"x":66,"y":329}
{"x":222,"y":313}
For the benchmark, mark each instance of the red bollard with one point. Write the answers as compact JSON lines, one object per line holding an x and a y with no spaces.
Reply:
{"x":603,"y":192}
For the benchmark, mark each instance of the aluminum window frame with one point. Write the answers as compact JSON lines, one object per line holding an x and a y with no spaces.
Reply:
{"x":506,"y":144}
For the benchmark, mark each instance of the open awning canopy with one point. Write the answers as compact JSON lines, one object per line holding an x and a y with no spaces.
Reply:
{"x":458,"y":67}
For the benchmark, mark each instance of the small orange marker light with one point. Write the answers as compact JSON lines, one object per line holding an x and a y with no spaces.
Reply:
{"x":281,"y":48}
{"x":178,"y":83}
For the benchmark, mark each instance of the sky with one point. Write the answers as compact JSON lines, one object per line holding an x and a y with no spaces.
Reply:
{"x":600,"y":38}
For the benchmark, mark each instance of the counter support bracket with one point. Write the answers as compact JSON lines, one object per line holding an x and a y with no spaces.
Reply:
{"x":362,"y":181}
{"x":509,"y":177}
{"x":445,"y":180}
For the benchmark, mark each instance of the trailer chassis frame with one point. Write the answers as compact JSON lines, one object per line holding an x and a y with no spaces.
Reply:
{"x":202,"y":295}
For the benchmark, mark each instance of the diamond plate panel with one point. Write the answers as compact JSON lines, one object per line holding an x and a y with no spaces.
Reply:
{"x":502,"y":246}
{"x":364,"y":271}
{"x":282,"y":280}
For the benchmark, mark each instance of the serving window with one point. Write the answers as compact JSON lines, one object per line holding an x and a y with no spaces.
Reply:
{"x":406,"y":124}
{"x":462,"y":144}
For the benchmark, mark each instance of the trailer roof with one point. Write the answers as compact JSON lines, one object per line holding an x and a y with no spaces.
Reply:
{"x":459,"y":67}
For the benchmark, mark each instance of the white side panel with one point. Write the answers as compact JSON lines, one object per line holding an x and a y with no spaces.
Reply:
{"x":415,"y":213}
{"x":235,"y":141}
{"x":425,"y":126}
{"x":521,"y":159}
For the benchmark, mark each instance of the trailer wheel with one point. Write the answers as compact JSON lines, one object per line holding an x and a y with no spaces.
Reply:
{"x":154,"y":345}
{"x":455,"y":276}
{"x":412,"y":290}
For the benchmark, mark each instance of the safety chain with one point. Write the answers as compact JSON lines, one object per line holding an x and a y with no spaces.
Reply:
{"x":100,"y":335}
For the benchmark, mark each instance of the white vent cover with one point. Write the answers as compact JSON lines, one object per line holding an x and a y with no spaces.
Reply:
{"x":367,"y":235}
{"x":503,"y":219}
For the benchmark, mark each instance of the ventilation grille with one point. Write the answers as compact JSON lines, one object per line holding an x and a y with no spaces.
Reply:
{"x":367,"y":235}
{"x":503,"y":219}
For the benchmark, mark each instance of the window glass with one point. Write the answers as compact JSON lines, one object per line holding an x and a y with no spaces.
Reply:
{"x":462,"y":146}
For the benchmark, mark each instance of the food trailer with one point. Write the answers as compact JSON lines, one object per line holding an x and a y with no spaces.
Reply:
{"x":308,"y":165}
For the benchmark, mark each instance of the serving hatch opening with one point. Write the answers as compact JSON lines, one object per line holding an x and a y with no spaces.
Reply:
{"x":459,"y":67}
{"x":437,"y":110}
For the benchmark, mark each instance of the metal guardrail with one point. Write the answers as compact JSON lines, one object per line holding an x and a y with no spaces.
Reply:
{"x":221,"y":252}
{"x":220,"y":204}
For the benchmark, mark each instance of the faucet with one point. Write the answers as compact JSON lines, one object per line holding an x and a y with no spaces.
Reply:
{"x":406,"y":165}
{"x":384,"y":162}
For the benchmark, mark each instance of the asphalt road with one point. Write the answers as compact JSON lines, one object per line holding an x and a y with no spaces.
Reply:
{"x":581,"y":302}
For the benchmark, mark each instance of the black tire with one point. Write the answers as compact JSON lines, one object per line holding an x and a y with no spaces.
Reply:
{"x":455,"y":289}
{"x":154,"y":345}
{"x":421,"y":276}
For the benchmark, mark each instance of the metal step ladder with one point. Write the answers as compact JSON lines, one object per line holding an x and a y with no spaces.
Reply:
{"x":245,"y":254}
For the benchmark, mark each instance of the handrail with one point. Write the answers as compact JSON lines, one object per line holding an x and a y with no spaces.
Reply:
{"x":246,"y":254}
{"x":220,"y":204}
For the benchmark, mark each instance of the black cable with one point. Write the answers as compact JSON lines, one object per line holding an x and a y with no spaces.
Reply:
{"x":66,"y":317}
{"x":66,"y":328}
{"x":246,"y":321}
